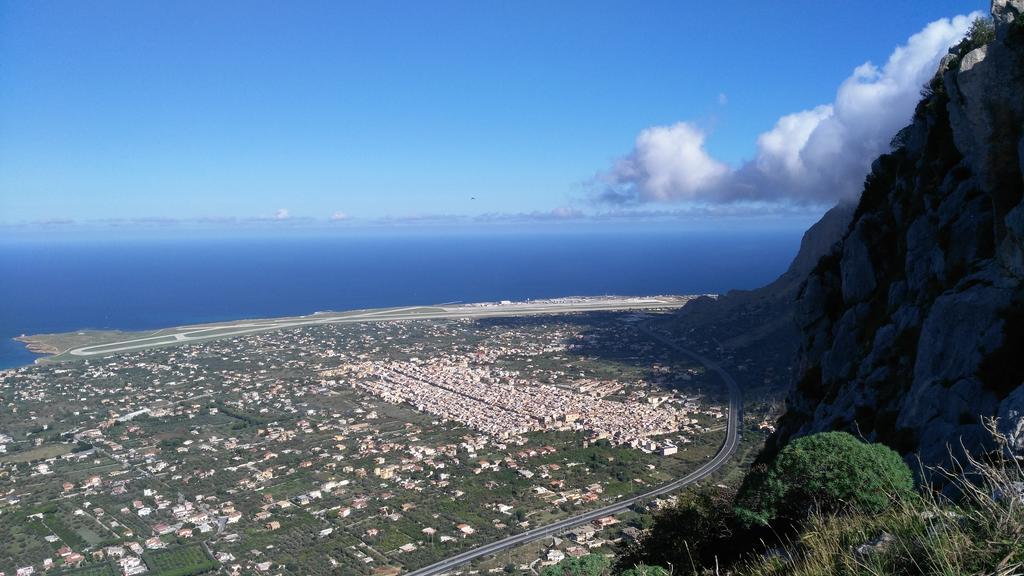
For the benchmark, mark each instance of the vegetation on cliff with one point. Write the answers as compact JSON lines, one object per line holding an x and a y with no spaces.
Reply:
{"x":824,"y":473}
{"x":980,"y":530}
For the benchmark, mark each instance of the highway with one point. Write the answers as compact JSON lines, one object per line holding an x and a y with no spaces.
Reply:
{"x":721,"y":457}
{"x":185,"y":334}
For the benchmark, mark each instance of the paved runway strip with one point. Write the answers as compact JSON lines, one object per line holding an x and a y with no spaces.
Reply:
{"x":211,"y":332}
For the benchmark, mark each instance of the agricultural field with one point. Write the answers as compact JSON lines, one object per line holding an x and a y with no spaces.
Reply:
{"x":181,"y":561}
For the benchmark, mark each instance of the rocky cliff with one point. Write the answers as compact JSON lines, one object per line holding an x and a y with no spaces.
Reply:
{"x":755,"y":327}
{"x":912,"y":327}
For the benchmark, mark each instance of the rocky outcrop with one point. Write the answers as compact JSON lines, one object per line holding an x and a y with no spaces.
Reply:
{"x":758,"y":324}
{"x":912,"y":328}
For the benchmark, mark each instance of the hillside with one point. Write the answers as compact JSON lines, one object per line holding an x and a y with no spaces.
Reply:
{"x":911,"y":327}
{"x":907,"y":332}
{"x":757,"y":326}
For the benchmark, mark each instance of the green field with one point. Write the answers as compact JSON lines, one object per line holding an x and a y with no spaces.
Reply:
{"x":44,"y":452}
{"x":183,"y":561}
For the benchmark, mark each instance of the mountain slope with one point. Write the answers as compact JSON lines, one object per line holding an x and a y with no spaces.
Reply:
{"x":757,"y":325}
{"x":912,"y":327}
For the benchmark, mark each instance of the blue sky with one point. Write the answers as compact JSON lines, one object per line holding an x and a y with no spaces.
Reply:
{"x":241,"y":111}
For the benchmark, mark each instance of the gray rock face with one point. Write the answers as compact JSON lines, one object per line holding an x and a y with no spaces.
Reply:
{"x":913,"y":326}
{"x":1004,"y":14}
{"x":1011,"y":419}
{"x":857,"y":272}
{"x":877,"y":545}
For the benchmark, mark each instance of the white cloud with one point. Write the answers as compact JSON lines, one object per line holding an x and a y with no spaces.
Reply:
{"x":778,"y":150}
{"x":338,"y":216}
{"x":282,"y":214}
{"x":566,"y":213}
{"x":812,"y":156}
{"x":668,"y":162}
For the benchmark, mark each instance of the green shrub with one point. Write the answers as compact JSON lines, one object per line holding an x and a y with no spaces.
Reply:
{"x":982,"y":532}
{"x":828,"y":473}
{"x":981,"y":32}
{"x":700,"y":530}
{"x":589,"y":565}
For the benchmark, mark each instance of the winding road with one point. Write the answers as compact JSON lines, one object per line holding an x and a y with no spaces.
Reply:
{"x":724,"y":453}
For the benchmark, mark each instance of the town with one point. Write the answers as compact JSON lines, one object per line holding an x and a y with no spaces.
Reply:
{"x":369,"y":448}
{"x":486,"y":401}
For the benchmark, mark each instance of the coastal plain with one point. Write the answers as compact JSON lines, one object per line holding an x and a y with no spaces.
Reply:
{"x":242,"y":444}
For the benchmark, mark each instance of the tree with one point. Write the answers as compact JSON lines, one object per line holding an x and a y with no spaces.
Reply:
{"x":699,"y":531}
{"x":981,"y":32}
{"x":831,"y":472}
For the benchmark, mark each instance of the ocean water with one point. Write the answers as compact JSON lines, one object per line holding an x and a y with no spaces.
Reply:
{"x":59,"y":286}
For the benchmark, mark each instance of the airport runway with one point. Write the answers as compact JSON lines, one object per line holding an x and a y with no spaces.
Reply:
{"x":186,"y":334}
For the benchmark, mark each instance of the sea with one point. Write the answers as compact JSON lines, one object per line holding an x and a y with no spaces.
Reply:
{"x":139,"y":284}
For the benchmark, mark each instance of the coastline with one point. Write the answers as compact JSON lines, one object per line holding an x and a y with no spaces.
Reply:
{"x":37,"y":346}
{"x":143,"y":286}
{"x":80,"y":344}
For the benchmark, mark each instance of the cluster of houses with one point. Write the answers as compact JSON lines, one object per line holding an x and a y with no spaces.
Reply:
{"x":267,"y":392}
{"x":459,"y":389}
